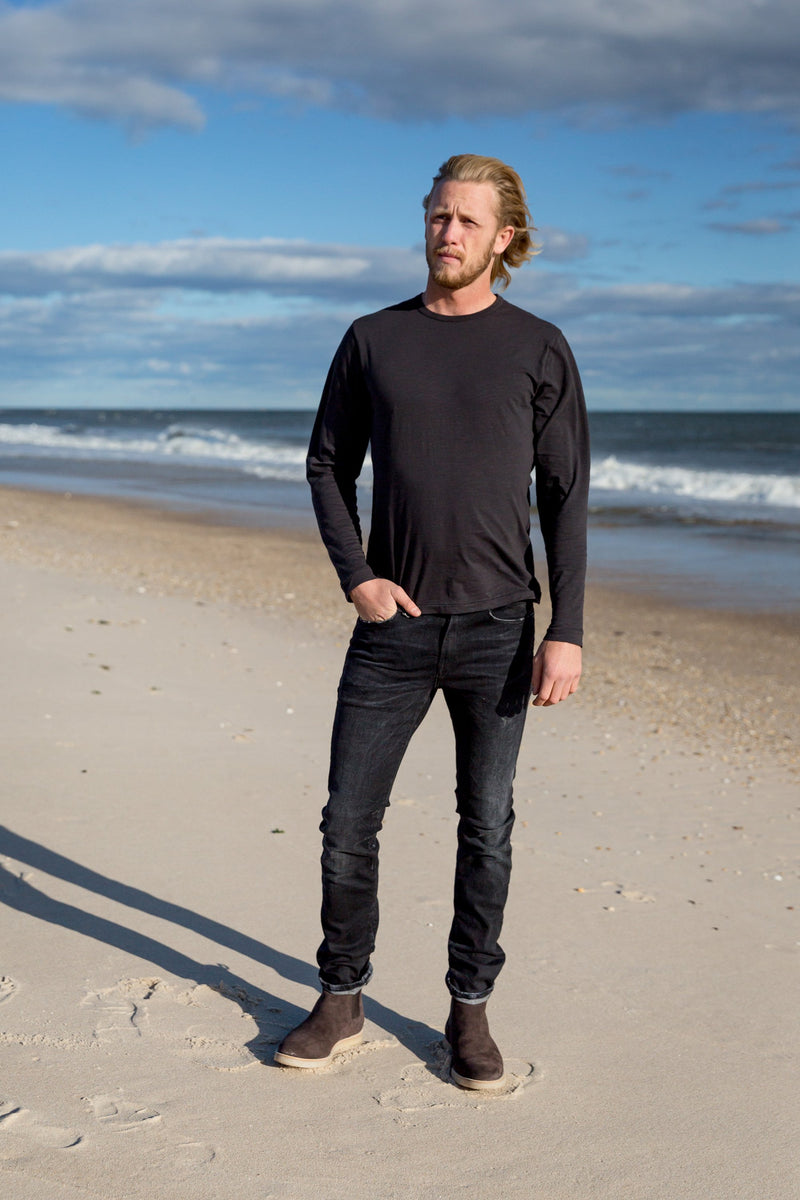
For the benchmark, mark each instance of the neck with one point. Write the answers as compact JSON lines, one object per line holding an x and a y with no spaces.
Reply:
{"x":461,"y":302}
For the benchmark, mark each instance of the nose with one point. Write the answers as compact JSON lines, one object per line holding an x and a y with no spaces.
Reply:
{"x":449,"y":230}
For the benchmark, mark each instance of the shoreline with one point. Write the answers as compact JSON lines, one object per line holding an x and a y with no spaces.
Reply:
{"x":729,"y":679}
{"x":726,"y":559}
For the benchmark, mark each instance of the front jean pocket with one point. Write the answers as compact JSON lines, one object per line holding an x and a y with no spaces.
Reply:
{"x":377,"y":624}
{"x":511,"y":614}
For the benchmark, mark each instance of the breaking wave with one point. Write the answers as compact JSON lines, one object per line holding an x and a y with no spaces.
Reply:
{"x":613,"y":474}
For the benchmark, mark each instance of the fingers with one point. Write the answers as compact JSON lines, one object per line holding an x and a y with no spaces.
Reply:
{"x":372,"y":600}
{"x":556,"y":673}
{"x":404,"y":601}
{"x":553,"y":691}
{"x":378,"y":600}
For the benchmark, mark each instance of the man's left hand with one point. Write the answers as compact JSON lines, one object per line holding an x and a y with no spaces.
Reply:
{"x":556,"y":672}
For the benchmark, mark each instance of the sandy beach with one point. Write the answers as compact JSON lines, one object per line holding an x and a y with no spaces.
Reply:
{"x":168,"y":689}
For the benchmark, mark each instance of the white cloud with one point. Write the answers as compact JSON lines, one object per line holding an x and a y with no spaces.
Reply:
{"x":347,"y":275}
{"x":560,"y":246}
{"x":111,"y":318}
{"x":141,"y":61}
{"x":281,"y":267}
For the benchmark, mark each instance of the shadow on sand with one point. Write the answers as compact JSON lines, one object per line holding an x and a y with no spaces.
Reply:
{"x":259,"y":1004}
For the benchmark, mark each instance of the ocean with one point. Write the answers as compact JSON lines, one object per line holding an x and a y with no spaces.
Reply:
{"x":703,"y":506}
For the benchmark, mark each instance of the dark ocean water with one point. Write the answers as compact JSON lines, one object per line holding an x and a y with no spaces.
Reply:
{"x":702,"y":504}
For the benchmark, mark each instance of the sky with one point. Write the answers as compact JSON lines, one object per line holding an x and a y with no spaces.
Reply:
{"x":197,"y":198}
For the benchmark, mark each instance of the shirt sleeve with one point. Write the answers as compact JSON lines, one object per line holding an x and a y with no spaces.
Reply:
{"x":561,"y":458}
{"x":335,"y":457}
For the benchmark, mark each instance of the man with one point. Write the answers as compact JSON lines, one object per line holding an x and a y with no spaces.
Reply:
{"x":459,"y":394}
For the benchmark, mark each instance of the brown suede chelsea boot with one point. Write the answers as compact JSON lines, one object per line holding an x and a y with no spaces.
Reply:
{"x":477,"y":1062}
{"x":333,"y":1025}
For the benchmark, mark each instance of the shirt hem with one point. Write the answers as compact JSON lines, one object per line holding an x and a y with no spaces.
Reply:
{"x":450,"y":609}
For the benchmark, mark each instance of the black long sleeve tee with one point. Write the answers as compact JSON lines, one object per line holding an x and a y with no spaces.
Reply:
{"x":457,"y":411}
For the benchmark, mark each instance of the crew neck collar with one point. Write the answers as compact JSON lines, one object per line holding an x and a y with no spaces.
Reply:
{"x":482,"y":312}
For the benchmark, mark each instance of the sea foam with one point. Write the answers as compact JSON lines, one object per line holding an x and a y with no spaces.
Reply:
{"x":613,"y":474}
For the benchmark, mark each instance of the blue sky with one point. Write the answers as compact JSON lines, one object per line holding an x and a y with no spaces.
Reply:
{"x":196,"y":199}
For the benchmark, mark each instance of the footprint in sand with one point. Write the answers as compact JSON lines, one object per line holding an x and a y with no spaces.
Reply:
{"x":210,"y":1052}
{"x":219,"y":1034}
{"x":427,"y":1085}
{"x":8,"y":987}
{"x":120,"y":1116}
{"x":133,"y":1008}
{"x":117,"y":1012}
{"x":117,"y":1115}
{"x":21,"y":1131}
{"x":190,"y":1154}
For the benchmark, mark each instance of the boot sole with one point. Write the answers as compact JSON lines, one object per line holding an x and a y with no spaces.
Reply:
{"x":477,"y":1085}
{"x":308,"y":1064}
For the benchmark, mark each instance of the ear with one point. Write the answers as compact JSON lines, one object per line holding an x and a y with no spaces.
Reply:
{"x":503,"y":238}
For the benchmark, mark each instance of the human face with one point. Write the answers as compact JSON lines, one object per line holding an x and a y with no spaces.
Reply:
{"x":462,"y":235}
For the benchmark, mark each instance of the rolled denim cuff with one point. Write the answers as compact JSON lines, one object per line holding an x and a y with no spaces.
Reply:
{"x":466,"y":997}
{"x":348,"y":989}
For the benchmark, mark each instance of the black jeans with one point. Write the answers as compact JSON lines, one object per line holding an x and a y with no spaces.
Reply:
{"x":482,"y":662}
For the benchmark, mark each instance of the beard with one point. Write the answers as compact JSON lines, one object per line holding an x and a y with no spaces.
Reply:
{"x":455,"y":277}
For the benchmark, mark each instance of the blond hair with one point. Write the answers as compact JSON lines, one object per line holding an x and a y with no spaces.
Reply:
{"x":512,"y":205}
